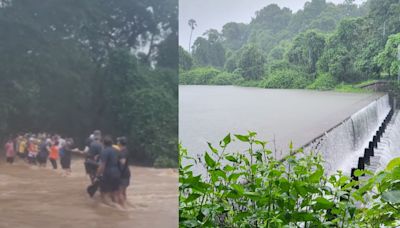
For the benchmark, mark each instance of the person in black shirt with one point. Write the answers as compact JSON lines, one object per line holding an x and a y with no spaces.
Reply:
{"x":65,"y":159}
{"x":44,"y":150}
{"x":93,"y":157}
{"x":124,"y":168}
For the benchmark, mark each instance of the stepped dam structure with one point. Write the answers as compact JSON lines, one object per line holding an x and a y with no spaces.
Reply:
{"x":351,"y":144}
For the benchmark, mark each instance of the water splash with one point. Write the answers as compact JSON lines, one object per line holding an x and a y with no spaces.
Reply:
{"x":389,"y":146}
{"x":342,"y":145}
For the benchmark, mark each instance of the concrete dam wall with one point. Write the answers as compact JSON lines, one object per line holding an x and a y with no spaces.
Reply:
{"x":342,"y":145}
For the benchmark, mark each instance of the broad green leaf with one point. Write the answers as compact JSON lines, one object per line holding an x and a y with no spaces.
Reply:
{"x":358,"y":173}
{"x":231,"y":158}
{"x":252,"y":195}
{"x":316,"y":176}
{"x":226,"y":141}
{"x":322,"y":203}
{"x":209,"y":161}
{"x":299,"y":186}
{"x":243,"y":138}
{"x":228,"y":168}
{"x":218,"y":173}
{"x":192,"y":197}
{"x":238,"y":188}
{"x":214,"y":150}
{"x":234,"y":176}
{"x":303,"y":216}
{"x":392,"y":164}
{"x":391,"y":196}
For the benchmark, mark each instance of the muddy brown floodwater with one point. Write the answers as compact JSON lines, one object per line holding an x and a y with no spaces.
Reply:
{"x":40,"y":197}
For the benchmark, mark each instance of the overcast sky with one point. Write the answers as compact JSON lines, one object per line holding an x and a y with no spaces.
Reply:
{"x":215,"y":13}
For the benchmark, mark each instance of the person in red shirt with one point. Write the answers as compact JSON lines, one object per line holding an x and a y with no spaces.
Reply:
{"x":54,"y":154}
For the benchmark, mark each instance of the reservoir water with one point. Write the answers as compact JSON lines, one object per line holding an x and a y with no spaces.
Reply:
{"x":208,"y":113}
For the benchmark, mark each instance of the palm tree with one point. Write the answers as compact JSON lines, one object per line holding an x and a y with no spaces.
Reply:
{"x":192,"y":23}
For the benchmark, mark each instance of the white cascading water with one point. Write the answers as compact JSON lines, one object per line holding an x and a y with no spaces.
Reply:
{"x":389,"y":146}
{"x":342,"y":145}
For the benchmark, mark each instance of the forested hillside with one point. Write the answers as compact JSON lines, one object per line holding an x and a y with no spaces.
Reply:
{"x":322,"y":46}
{"x":71,"y":66}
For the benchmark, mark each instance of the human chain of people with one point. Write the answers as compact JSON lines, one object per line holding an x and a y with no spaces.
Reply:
{"x":106,"y":163}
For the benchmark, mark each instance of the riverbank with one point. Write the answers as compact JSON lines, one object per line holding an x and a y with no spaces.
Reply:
{"x":41,"y":197}
{"x":344,"y":88}
{"x":281,"y":80}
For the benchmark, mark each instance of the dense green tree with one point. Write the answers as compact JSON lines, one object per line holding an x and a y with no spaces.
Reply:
{"x":251,"y":63}
{"x":185,"y":59}
{"x":388,"y":59}
{"x":340,"y":41}
{"x":234,"y":35}
{"x":342,"y":50}
{"x":209,"y":52}
{"x":70,"y":67}
{"x":272,"y":18}
{"x":306,"y":49}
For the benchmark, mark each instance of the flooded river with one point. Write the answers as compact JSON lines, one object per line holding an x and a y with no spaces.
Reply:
{"x":41,"y":198}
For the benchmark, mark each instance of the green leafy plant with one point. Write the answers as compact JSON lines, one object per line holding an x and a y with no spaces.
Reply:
{"x":253,"y":189}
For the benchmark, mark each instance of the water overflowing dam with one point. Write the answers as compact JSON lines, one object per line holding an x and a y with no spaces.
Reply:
{"x":208,"y":113}
{"x":342,"y":145}
{"x":388,"y":146}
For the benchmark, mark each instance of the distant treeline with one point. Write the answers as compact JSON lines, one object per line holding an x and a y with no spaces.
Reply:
{"x":319,"y":47}
{"x":71,"y":66}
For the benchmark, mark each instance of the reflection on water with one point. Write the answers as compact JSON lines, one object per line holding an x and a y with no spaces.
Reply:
{"x":40,"y":197}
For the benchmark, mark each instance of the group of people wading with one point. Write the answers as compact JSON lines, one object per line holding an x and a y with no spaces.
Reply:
{"x":106,"y":163}
{"x":37,"y":149}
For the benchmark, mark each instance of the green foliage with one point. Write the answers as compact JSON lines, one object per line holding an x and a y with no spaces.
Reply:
{"x":380,"y":194}
{"x":394,"y":91}
{"x":225,"y":78}
{"x":235,"y":35}
{"x":323,"y":82}
{"x":209,"y":52}
{"x":198,"y":76}
{"x":273,"y":18}
{"x":251,"y":63}
{"x":320,"y":38}
{"x":387,"y":59}
{"x":185,"y":59}
{"x":256,"y":190}
{"x":69,"y":67}
{"x":253,"y":189}
{"x":286,"y":79}
{"x":278,"y":52}
{"x":306,"y":49}
{"x":341,"y":51}
{"x":348,"y":88}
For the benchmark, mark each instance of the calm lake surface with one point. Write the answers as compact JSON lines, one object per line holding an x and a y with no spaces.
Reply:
{"x":208,"y":113}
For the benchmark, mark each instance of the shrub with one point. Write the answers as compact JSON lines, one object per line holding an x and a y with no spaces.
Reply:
{"x":347,"y":88}
{"x":324,"y":81}
{"x":198,"y":76}
{"x":225,"y":78}
{"x":254,"y":189}
{"x":286,"y":79}
{"x":257,"y":190}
